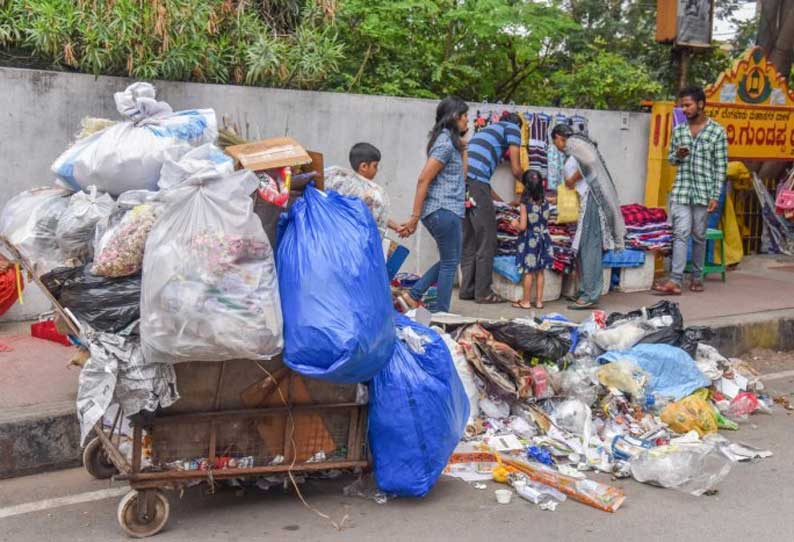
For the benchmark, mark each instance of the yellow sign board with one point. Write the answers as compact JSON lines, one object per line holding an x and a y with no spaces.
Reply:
{"x":754,"y":104}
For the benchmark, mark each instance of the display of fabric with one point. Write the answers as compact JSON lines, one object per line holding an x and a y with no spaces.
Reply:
{"x":506,"y":233}
{"x":538,"y":124}
{"x":640,"y":215}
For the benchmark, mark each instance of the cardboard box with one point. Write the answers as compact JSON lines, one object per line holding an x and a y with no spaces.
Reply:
{"x":277,"y":152}
{"x":269,"y":154}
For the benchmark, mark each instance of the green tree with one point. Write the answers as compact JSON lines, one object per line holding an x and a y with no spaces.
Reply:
{"x":260,"y":43}
{"x":495,"y":49}
{"x":603,"y":81}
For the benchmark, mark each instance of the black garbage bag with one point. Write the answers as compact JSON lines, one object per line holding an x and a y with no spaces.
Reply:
{"x":693,"y":335}
{"x":662,"y":308}
{"x":104,"y":303}
{"x":665,"y":335}
{"x":534,"y":342}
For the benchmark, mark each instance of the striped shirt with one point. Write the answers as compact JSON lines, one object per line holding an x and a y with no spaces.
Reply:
{"x":700,"y":175}
{"x":487,"y":148}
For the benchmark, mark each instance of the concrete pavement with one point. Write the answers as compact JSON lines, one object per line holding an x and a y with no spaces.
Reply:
{"x":38,"y":425}
{"x":753,"y":503}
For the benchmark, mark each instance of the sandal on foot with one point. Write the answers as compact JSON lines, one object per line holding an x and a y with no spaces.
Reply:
{"x":696,"y":286}
{"x":667,"y":288}
{"x":519,"y":305}
{"x":581,"y":306}
{"x":491,"y":299}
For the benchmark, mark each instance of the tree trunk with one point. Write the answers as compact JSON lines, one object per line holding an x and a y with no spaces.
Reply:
{"x":776,"y":36}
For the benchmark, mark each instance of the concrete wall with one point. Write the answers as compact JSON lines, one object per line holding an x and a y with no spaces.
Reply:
{"x":42,"y":110}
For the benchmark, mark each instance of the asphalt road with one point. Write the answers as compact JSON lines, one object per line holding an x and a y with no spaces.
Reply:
{"x":753,"y":503}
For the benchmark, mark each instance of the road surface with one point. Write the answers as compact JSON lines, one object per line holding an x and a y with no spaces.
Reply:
{"x":753,"y":503}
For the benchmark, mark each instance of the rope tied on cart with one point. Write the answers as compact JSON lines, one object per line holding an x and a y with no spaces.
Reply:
{"x":291,"y":420}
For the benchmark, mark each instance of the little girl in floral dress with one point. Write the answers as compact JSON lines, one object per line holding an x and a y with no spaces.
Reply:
{"x":535,"y":253}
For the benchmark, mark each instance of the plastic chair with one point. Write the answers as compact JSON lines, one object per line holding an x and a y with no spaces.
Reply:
{"x":710,"y":266}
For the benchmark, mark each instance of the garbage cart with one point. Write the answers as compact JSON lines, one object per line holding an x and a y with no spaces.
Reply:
{"x":235,"y":420}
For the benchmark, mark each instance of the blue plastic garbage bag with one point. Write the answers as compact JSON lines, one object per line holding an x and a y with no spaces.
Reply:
{"x":335,"y":297}
{"x":673,"y":372}
{"x":417,"y":412}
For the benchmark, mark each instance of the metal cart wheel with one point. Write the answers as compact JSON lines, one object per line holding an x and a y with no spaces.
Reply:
{"x":97,"y":462}
{"x":143,"y":513}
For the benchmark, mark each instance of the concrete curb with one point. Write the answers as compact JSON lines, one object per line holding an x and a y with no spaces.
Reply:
{"x":39,"y":438}
{"x":736,"y":335}
{"x":47,"y":437}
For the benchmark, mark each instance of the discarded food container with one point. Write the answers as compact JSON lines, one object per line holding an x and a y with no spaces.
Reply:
{"x":503,"y":496}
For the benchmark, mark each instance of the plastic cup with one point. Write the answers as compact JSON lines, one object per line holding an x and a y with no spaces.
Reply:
{"x":503,"y":496}
{"x":519,"y":484}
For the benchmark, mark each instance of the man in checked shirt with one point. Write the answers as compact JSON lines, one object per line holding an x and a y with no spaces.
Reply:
{"x":700,"y":150}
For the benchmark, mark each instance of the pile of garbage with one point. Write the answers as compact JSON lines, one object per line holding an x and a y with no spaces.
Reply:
{"x":631,"y":395}
{"x":149,"y":240}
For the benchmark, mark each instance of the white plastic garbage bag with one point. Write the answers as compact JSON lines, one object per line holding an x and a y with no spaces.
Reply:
{"x":30,"y":220}
{"x":621,"y":336}
{"x":130,"y":154}
{"x":210,"y":290}
{"x":77,"y":224}
{"x":120,"y":239}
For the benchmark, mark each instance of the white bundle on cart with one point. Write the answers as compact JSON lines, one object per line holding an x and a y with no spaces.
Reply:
{"x":210,"y":290}
{"x":130,"y":154}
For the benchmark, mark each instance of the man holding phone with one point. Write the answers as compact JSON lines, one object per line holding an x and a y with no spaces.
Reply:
{"x":699,"y":148}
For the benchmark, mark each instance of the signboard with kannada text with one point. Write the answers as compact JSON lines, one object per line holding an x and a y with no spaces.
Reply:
{"x":756,"y":107}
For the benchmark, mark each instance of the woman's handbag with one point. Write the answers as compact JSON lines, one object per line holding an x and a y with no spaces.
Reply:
{"x":567,"y":205}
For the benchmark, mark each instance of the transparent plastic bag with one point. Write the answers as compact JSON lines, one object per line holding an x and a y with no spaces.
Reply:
{"x":576,"y":383}
{"x":118,"y":249}
{"x":691,"y":468}
{"x":624,"y":376}
{"x":349,"y":183}
{"x":210,"y":290}
{"x":77,"y":224}
{"x":30,"y":221}
{"x":691,"y":413}
{"x":129,"y":155}
{"x":572,"y":415}
{"x":744,"y":404}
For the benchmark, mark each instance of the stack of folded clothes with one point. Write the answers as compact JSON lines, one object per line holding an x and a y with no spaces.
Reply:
{"x":506,"y":234}
{"x":562,"y":240}
{"x":647,"y":228}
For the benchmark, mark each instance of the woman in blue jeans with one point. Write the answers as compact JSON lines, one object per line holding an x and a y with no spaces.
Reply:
{"x":440,"y":198}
